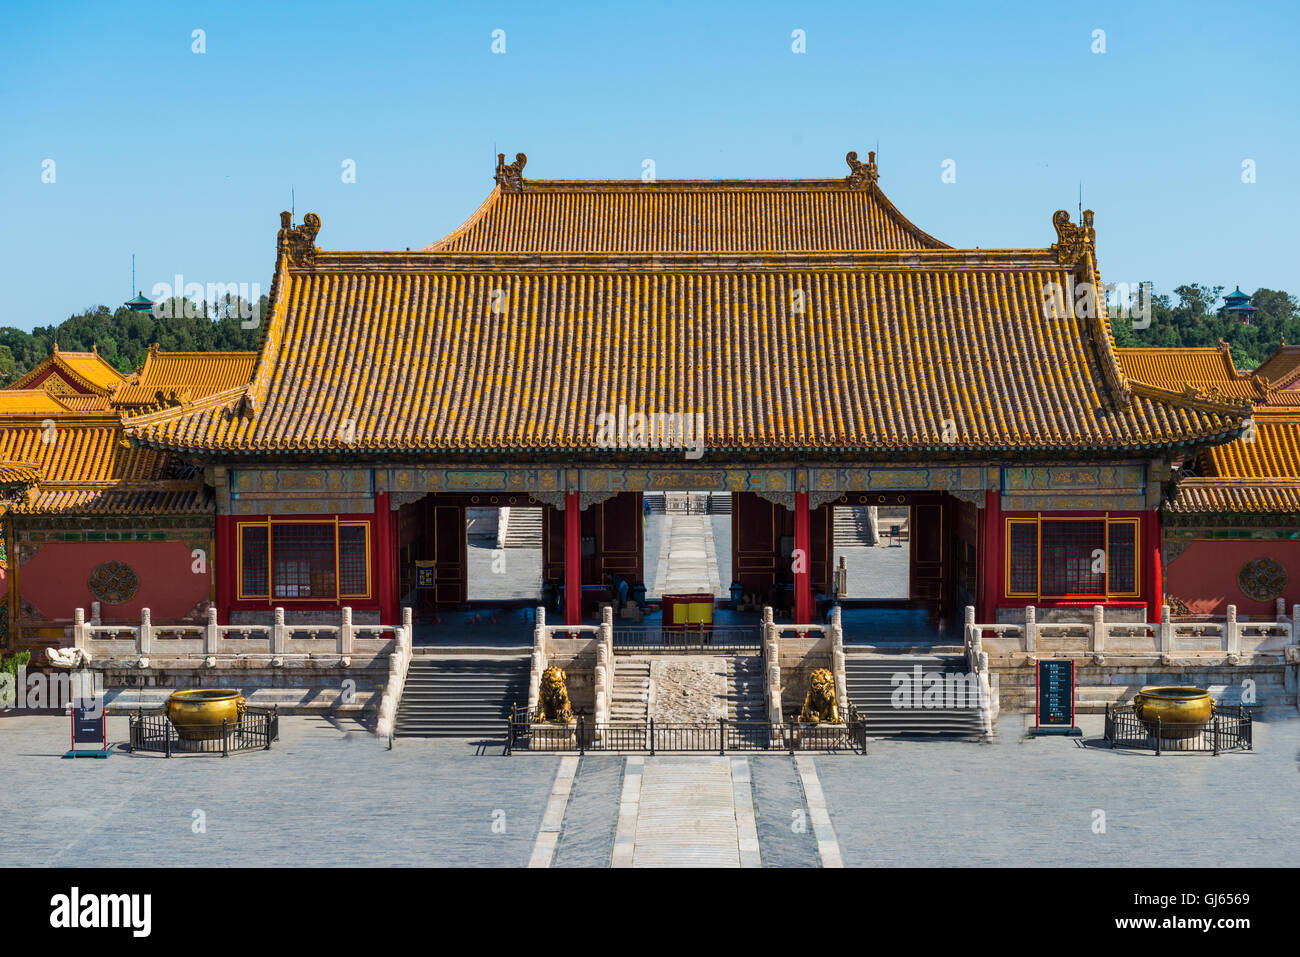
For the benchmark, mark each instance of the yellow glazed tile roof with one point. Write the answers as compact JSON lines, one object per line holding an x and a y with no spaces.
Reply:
{"x":86,"y":466}
{"x":590,"y":216}
{"x":19,"y":473}
{"x":85,"y":371}
{"x":38,"y":401}
{"x":169,"y":377}
{"x":1282,"y":368}
{"x":1209,"y":371}
{"x":870,"y":352}
{"x":1201,"y":495}
{"x":1259,"y":472}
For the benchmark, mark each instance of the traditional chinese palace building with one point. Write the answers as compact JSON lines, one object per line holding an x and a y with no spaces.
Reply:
{"x":834,"y":353}
{"x":1232,"y":529}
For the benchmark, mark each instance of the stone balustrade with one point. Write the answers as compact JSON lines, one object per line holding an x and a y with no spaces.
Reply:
{"x":277,"y":639}
{"x":1186,"y":637}
{"x":399,"y":663}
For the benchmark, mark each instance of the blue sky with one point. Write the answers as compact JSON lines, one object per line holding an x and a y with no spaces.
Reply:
{"x":186,"y":159}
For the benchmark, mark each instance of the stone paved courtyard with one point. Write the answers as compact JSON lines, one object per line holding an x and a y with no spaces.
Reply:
{"x":328,"y":795}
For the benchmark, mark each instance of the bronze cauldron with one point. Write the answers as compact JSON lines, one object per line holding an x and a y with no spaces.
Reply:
{"x":1181,"y":711}
{"x":198,"y":714}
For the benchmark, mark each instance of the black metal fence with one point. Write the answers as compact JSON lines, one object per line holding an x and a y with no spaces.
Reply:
{"x":1229,"y":729}
{"x":582,"y":735}
{"x":641,"y":639}
{"x":153,"y":732}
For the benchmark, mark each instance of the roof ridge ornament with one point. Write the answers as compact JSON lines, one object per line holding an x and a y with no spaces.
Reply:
{"x":511,"y":177}
{"x":298,"y":242}
{"x":1073,"y":241}
{"x":859,"y":172}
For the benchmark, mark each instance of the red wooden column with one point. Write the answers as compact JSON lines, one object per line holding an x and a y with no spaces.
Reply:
{"x":803,"y":605}
{"x":385,"y":588}
{"x":990,"y":558}
{"x":1152,"y":570}
{"x":572,"y":560}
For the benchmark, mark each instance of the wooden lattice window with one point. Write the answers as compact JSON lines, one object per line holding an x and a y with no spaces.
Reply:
{"x":297,"y":561}
{"x":1072,"y":558}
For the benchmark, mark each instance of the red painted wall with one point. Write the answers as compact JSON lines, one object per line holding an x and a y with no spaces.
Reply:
{"x":54,"y":579}
{"x":1205,"y":576}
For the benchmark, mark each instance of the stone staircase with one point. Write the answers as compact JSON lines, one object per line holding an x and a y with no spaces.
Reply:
{"x":460,"y":697}
{"x":523,"y":529}
{"x":745,"y":701}
{"x":630,"y":700}
{"x":870,"y":686}
{"x":852,"y":527}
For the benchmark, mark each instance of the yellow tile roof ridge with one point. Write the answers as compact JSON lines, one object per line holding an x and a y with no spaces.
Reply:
{"x":717,"y":260}
{"x":65,"y":368}
{"x":154,"y":416}
{"x":1193,"y":398}
{"x":558,"y":222}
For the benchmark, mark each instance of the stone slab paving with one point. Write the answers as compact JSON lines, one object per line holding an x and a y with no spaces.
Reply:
{"x":553,"y":816}
{"x":687,"y":814}
{"x":328,"y":795}
{"x":1040,"y":802}
{"x":502,"y":574}
{"x":828,"y":847}
{"x":325,"y":795}
{"x":742,"y":796}
{"x":877,"y":571}
{"x":785,"y":833}
{"x":587,"y":838}
{"x":687,"y":559}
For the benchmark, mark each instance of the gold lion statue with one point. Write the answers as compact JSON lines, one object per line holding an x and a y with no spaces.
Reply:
{"x":819,"y":705}
{"x":553,"y":698}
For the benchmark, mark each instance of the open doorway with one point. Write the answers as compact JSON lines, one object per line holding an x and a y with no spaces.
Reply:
{"x":873,"y":548}
{"x":687,"y":543}
{"x":503,"y":554}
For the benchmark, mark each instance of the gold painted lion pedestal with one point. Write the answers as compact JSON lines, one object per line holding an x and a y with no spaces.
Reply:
{"x":552,"y":727}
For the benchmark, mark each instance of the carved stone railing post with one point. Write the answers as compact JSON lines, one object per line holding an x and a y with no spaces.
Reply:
{"x":144,"y":636}
{"x":538,"y":664}
{"x":94,"y":613}
{"x":772,"y":652}
{"x":278,"y":634}
{"x":974,"y":641}
{"x":79,"y":628}
{"x":1031,"y":629}
{"x":601,"y":684}
{"x":607,"y":642}
{"x":837,"y":657}
{"x":345,"y":630}
{"x":1231,"y":632}
{"x":211,"y":632}
{"x":1165,"y":632}
{"x":1098,"y":629}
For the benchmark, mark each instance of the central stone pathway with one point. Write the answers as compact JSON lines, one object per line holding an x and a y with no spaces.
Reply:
{"x":688,"y":560}
{"x":687,"y":812}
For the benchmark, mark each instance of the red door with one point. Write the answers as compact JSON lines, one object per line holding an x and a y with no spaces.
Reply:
{"x":927,"y":557}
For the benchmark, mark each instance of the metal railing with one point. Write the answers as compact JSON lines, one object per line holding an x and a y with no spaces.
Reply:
{"x":720,"y":737}
{"x":679,"y":639}
{"x":154,"y":732}
{"x":1229,"y":729}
